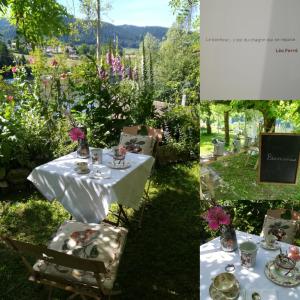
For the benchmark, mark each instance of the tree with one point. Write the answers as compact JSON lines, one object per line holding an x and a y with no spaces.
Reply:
{"x":83,"y":49}
{"x":270,"y":110}
{"x":187,"y":12}
{"x":178,"y":71}
{"x":36,"y":20}
{"x":205,"y":115}
{"x":93,"y":9}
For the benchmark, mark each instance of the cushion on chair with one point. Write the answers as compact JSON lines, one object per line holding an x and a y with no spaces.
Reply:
{"x":284,"y":230}
{"x":144,"y":142}
{"x":102,"y":242}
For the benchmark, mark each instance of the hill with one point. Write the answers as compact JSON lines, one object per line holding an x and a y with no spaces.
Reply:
{"x":129,"y":36}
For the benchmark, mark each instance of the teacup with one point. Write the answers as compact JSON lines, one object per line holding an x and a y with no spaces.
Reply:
{"x":225,"y":283}
{"x":96,"y":156}
{"x":81,"y":166}
{"x":270,"y":240}
{"x":248,"y":251}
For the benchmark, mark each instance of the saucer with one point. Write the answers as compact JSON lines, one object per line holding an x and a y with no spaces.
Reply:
{"x":78,"y":171}
{"x":264,"y":245}
{"x":217,"y":295}
{"x":292,"y":279}
{"x":122,"y":165}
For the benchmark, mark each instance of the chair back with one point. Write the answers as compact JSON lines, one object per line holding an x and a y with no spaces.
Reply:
{"x":157,"y":134}
{"x":54,"y":257}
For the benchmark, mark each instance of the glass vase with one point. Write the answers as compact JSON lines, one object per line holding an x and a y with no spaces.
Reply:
{"x":228,"y":238}
{"x":83,"y":150}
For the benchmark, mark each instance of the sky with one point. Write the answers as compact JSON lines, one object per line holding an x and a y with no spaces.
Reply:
{"x":132,"y":12}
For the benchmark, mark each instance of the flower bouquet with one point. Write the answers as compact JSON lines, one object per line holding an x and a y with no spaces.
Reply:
{"x":218,"y":218}
{"x":78,"y":134}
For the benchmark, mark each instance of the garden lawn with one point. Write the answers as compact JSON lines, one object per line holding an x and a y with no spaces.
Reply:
{"x":240,"y":181}
{"x":161,"y":261}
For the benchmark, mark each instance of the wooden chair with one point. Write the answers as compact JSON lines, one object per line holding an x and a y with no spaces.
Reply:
{"x":156,"y":135}
{"x":81,"y":258}
{"x":285,"y":228}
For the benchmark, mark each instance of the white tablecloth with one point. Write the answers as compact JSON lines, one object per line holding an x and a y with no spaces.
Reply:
{"x":213,"y":261}
{"x":88,"y":200}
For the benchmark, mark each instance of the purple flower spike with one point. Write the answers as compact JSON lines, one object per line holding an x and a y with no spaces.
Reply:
{"x":135,"y":74}
{"x":102,"y":73}
{"x":109,"y":58}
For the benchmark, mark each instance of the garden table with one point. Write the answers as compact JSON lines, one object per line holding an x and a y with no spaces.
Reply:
{"x":213,"y":261}
{"x":88,"y":200}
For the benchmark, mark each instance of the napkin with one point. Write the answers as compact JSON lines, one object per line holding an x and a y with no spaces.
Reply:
{"x":265,"y":294}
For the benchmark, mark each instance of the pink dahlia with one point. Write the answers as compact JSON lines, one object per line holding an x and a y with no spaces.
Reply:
{"x":14,"y":69}
{"x":76,"y":134}
{"x":216,"y":216}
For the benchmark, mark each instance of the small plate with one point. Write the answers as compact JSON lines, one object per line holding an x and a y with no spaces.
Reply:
{"x":100,"y":175}
{"x":82,"y":172}
{"x":264,"y":245}
{"x":217,"y":295}
{"x":291,"y":280}
{"x":121,"y":165}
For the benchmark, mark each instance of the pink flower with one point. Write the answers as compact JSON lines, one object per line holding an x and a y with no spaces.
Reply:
{"x":216,"y":216}
{"x":135,"y":74}
{"x":63,"y":76}
{"x":10,"y":98}
{"x":116,"y":64}
{"x":31,"y":60}
{"x":102,"y":73}
{"x":76,"y":134}
{"x":122,"y":150}
{"x":14,"y":69}
{"x":109,"y":58}
{"x":54,"y":63}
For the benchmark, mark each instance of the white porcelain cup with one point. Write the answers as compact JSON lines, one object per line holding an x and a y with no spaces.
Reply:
{"x":81,"y":166}
{"x":248,"y":251}
{"x":96,"y":156}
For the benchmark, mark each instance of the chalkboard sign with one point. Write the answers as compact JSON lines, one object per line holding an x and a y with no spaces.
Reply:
{"x":279,"y":157}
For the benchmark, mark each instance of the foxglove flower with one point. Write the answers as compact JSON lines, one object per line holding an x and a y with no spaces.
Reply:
{"x":102,"y":73}
{"x":135,"y":74}
{"x":116,"y":65}
{"x":109,"y":58}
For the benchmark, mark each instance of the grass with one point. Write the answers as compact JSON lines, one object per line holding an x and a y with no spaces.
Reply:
{"x":161,"y":261}
{"x":240,"y":182}
{"x":206,"y":146}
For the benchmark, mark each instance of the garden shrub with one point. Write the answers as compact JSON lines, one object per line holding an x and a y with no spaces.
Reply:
{"x":181,"y":130}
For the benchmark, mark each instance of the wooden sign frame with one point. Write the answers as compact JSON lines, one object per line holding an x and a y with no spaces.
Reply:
{"x":260,"y":159}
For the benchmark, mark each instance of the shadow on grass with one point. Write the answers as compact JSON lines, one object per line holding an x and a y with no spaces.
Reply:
{"x":161,"y":261}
